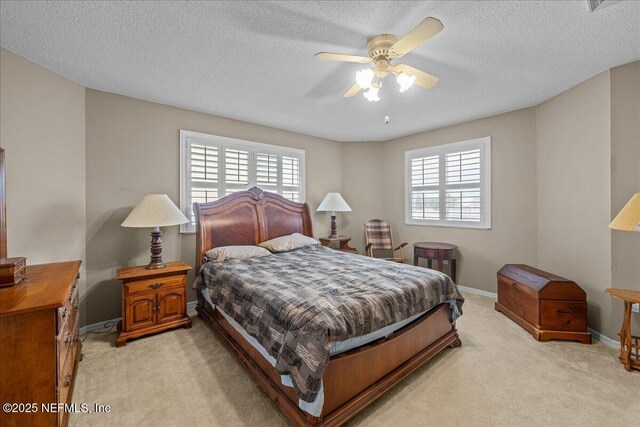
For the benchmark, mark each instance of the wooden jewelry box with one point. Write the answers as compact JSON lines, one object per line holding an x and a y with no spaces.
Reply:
{"x":12,"y":271}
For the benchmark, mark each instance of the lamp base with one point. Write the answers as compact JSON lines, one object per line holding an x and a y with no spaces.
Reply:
{"x":334,"y":228}
{"x":156,"y":250}
{"x":155,"y":265}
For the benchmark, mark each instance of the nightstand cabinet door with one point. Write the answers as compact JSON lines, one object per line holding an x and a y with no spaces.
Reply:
{"x":171,"y":305}
{"x":141,"y":311}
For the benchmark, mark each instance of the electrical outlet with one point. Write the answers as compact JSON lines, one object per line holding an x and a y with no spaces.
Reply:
{"x":635,"y":308}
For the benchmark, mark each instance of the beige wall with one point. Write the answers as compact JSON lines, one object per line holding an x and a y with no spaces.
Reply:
{"x":42,"y":128}
{"x":133,"y":150}
{"x":512,"y":237}
{"x":363,"y":174}
{"x":573,"y":132}
{"x":373,"y":184}
{"x":625,"y":178}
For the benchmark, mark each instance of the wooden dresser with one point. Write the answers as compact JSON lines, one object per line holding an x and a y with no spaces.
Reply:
{"x":40,"y":342}
{"x":546,"y":305}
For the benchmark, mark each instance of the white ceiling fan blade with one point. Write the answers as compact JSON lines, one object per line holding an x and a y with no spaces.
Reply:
{"x":423,"y":79}
{"x":422,"y":32}
{"x":353,"y":91}
{"x":328,"y":56}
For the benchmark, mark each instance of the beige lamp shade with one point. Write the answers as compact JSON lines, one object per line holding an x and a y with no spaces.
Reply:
{"x":333,"y":202}
{"x":155,"y":210}
{"x":628,"y":219}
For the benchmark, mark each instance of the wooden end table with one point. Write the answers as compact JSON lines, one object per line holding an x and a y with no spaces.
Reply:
{"x":153,"y":300}
{"x":343,"y":243}
{"x":628,"y":343}
{"x":435,"y":251}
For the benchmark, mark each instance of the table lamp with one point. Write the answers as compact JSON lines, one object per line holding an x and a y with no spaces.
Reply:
{"x":155,"y":211}
{"x":628,"y":219}
{"x":333,"y":202}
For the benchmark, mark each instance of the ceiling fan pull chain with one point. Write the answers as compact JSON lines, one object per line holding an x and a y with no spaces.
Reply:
{"x":386,"y":107}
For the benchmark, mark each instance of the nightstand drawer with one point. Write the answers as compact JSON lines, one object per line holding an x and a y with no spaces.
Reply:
{"x":155,"y":284}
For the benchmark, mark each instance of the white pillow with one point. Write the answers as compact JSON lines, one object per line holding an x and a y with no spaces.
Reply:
{"x":224,"y":253}
{"x":289,"y":243}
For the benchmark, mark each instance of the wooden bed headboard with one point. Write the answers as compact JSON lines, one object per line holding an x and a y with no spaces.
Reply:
{"x":247,"y":218}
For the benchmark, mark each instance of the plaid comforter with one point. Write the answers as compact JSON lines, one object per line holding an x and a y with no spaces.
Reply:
{"x":296,"y":303}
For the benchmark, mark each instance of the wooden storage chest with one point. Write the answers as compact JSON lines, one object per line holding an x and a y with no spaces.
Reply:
{"x":546,"y":305}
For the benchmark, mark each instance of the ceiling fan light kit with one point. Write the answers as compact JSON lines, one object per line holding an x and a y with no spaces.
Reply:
{"x":384,"y":48}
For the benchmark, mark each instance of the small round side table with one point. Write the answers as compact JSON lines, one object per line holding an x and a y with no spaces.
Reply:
{"x":435,"y":251}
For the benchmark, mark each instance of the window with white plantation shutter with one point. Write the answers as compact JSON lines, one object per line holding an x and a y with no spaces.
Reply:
{"x":449,"y":185}
{"x":212,"y":167}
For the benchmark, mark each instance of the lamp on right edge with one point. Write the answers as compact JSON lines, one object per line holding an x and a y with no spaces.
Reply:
{"x":628,"y":219}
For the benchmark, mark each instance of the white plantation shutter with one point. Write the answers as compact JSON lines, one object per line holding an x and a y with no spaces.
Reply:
{"x":425,"y":205}
{"x":449,"y":185}
{"x":236,"y":166}
{"x":266,"y":170}
{"x":291,"y":178}
{"x":463,"y":167}
{"x":425,"y":171}
{"x":203,"y":170}
{"x":212,"y":167}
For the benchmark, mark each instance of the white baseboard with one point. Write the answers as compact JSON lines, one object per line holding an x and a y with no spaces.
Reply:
{"x":604,"y":339}
{"x":595,"y":334}
{"x":101,"y":325}
{"x":98,"y":326}
{"x":478,"y":292}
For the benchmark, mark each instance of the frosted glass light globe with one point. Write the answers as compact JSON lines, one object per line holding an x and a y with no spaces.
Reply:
{"x":372,"y":94}
{"x":364,"y":78}
{"x":405,"y":81}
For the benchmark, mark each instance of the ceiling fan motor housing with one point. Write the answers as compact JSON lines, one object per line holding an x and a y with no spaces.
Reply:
{"x":380,"y":44}
{"x":378,"y":48}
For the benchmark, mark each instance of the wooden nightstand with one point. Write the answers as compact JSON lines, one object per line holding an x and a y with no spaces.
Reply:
{"x":153,"y":300}
{"x":343,"y":241}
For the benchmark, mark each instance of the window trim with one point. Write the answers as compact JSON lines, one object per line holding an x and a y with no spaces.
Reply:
{"x":484,"y":144}
{"x":223,"y":142}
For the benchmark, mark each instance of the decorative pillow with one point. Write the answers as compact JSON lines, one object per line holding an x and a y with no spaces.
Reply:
{"x":224,"y":253}
{"x":289,"y":243}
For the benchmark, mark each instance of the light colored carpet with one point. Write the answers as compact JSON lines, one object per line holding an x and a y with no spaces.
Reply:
{"x":500,"y":376}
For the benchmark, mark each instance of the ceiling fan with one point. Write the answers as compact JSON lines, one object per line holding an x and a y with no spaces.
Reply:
{"x":383,"y":49}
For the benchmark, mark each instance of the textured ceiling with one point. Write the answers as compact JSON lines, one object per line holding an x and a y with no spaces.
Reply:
{"x":255,"y":61}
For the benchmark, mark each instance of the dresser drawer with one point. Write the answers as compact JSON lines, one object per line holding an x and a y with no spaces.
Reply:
{"x":71,"y":305}
{"x":66,"y":375}
{"x":563,"y":315}
{"x":159,"y":283}
{"x":66,"y":340}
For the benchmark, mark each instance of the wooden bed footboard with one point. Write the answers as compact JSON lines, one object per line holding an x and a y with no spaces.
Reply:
{"x":352,"y":380}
